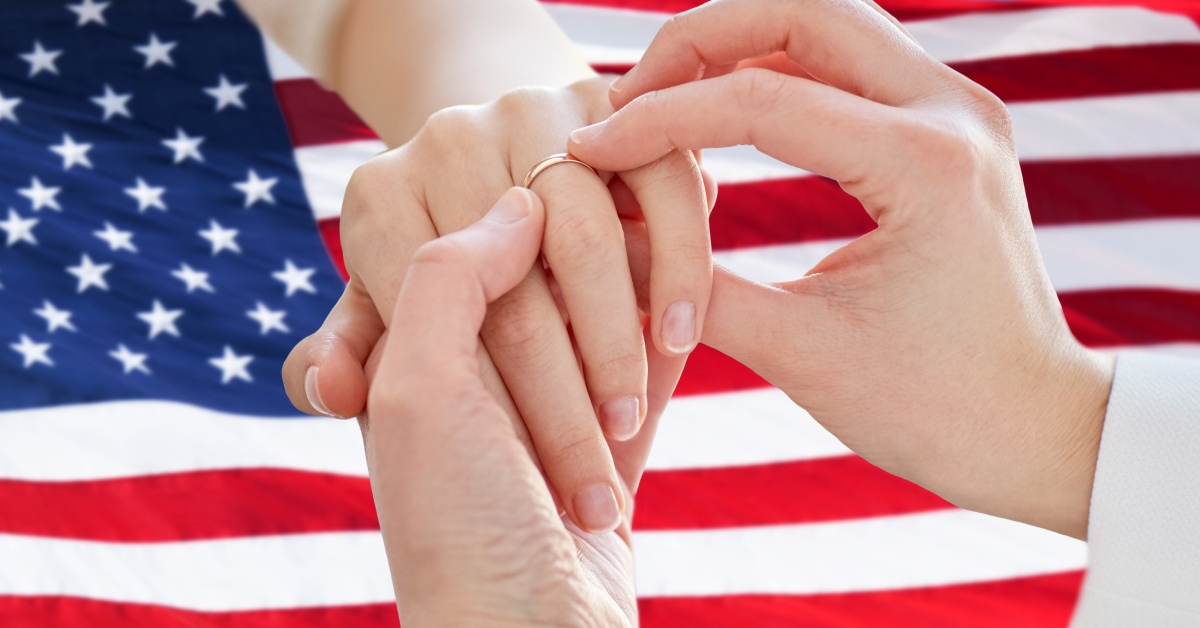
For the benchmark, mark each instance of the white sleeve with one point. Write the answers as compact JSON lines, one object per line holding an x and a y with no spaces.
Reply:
{"x":302,"y":28}
{"x":1144,"y":522}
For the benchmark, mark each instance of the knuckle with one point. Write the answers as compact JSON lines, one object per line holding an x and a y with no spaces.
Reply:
{"x":369,"y":183}
{"x":616,"y":372}
{"x":442,"y":256}
{"x":760,"y":89}
{"x":522,"y":101}
{"x":576,"y":234}
{"x":451,"y":128}
{"x":515,"y":325}
{"x":574,"y":447}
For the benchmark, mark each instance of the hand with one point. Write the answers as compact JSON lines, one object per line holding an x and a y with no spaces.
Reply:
{"x":445,"y":179}
{"x":472,"y":535}
{"x":933,"y":346}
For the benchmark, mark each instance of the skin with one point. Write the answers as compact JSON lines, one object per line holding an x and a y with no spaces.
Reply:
{"x":472,"y":533}
{"x":933,"y":346}
{"x":443,"y":181}
{"x":578,"y":331}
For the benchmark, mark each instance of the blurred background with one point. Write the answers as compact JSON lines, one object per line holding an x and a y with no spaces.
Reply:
{"x":170,"y":185}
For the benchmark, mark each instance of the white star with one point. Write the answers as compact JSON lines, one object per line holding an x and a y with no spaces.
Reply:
{"x":161,"y":320}
{"x":114,"y":104}
{"x":41,"y":59}
{"x":268,"y":319}
{"x":33,"y":352}
{"x":72,"y":153}
{"x":8,"y":108}
{"x":184,"y":146}
{"x":233,"y":366}
{"x":130,"y":361}
{"x":90,"y":11}
{"x":117,"y":240}
{"x":55,"y":317}
{"x":156,"y":51}
{"x":295,"y":278}
{"x":147,"y":196}
{"x":205,"y":6}
{"x":90,"y":274}
{"x":19,"y":229}
{"x":256,"y":189}
{"x":41,"y":196}
{"x":194,"y":279}
{"x":227,"y":93}
{"x":220,"y":237}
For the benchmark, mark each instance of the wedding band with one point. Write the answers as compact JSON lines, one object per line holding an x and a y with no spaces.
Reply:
{"x":552,"y":160}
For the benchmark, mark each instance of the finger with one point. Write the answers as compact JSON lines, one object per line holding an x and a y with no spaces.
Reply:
{"x":323,"y":374}
{"x":451,"y":280}
{"x":845,"y":43}
{"x":671,"y":194}
{"x":529,"y":344}
{"x":801,"y":122}
{"x":584,"y":247}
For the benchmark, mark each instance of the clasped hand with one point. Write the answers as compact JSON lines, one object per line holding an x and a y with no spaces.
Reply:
{"x":933,"y":346}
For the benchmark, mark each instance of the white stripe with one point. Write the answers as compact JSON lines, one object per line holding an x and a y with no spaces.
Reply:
{"x":1128,"y":254}
{"x":302,"y":570}
{"x":618,"y":36}
{"x":1086,"y":128}
{"x":330,"y":569}
{"x":1108,"y":127}
{"x":928,"y":549}
{"x":739,"y":428}
{"x":280,"y":64}
{"x":989,"y":35}
{"x":126,"y":438}
{"x":325,"y":171}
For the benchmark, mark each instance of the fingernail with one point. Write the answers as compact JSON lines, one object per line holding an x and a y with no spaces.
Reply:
{"x":311,"y":391}
{"x":679,"y":327}
{"x":587,"y":133}
{"x":619,"y":84}
{"x":512,"y":207}
{"x":619,"y":418}
{"x":596,"y":508}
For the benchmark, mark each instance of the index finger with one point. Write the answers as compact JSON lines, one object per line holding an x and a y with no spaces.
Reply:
{"x":845,"y":43}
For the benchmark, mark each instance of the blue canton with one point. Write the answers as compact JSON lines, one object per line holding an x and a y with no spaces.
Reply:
{"x":155,"y":240}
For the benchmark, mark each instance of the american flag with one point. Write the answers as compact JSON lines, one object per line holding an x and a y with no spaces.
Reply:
{"x":160,"y":170}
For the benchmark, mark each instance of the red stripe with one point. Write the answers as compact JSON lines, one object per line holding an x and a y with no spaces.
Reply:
{"x":1034,"y":602}
{"x":189,"y":506}
{"x":72,"y":612}
{"x":764,"y":213}
{"x":1088,"y":73}
{"x":804,"y":491}
{"x":331,"y":235}
{"x":316,"y":116}
{"x":1116,"y":318}
{"x":909,"y":10}
{"x":255,"y":502}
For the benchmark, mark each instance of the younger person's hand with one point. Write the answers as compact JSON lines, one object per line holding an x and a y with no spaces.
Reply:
{"x":933,"y":346}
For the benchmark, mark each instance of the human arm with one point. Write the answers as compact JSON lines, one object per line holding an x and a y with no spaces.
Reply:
{"x":933,"y":346}
{"x":396,"y":63}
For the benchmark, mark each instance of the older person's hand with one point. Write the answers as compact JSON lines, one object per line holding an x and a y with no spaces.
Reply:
{"x":933,"y":346}
{"x":444,"y":180}
{"x":473,"y":536}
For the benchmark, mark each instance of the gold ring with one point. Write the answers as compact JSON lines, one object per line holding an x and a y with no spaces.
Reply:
{"x":552,"y":160}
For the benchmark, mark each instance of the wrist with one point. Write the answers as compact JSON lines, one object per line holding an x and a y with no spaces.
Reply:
{"x":1053,"y":459}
